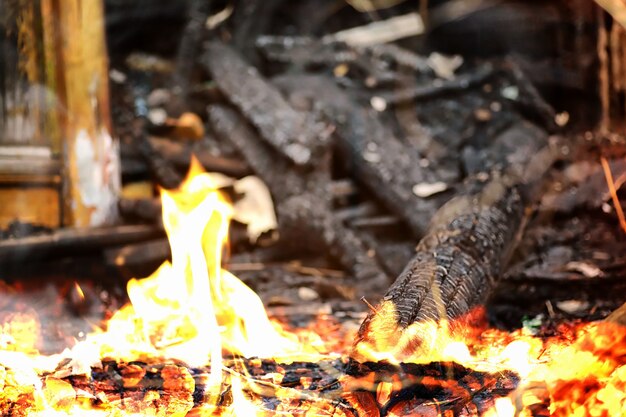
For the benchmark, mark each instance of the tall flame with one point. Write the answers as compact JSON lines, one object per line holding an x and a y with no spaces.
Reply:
{"x":190,"y":308}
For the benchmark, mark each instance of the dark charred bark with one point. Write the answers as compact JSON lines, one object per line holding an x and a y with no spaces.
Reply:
{"x":459,"y":261}
{"x":436,"y":388}
{"x":169,"y":387}
{"x":293,"y":134}
{"x":303,"y":201}
{"x":173,"y":388}
{"x":190,"y":44}
{"x":374,"y":155}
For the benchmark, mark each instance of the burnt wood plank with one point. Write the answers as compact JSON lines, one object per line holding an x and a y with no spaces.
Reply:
{"x":376,"y":157}
{"x":293,"y":134}
{"x":303,"y":201}
{"x":72,"y":241}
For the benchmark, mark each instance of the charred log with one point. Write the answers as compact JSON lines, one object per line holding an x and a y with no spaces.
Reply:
{"x":459,"y":260}
{"x":73,"y":241}
{"x":172,"y":388}
{"x":437,"y":388}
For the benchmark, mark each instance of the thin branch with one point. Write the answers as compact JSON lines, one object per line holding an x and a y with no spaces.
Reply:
{"x":613,"y":191}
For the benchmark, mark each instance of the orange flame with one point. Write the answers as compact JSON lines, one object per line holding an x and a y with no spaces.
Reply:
{"x":583,"y":375}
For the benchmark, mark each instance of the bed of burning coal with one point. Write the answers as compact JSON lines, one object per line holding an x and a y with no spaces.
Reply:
{"x":49,"y":317}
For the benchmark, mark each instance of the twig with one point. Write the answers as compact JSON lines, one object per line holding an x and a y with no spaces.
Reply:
{"x":384,"y":31}
{"x":246,"y":267}
{"x":180,"y":155}
{"x":423,"y":92}
{"x":316,"y":272}
{"x":377,"y":221}
{"x":534,"y":102}
{"x":613,"y":191}
{"x":369,"y":305}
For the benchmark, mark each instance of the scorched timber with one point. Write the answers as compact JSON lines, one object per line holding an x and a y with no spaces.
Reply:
{"x":459,"y":260}
{"x":378,"y":159}
{"x":436,"y":388}
{"x":170,"y":388}
{"x":303,"y":201}
{"x":293,"y":134}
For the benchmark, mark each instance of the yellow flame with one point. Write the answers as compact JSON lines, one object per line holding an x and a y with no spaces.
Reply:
{"x":190,"y":308}
{"x":79,"y":291}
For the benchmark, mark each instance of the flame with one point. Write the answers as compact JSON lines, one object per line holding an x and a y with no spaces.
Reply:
{"x":190,"y":308}
{"x":582,"y":372}
{"x":191,"y":313}
{"x":79,"y":291}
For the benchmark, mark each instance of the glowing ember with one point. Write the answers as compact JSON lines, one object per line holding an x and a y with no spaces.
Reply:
{"x":177,"y":350}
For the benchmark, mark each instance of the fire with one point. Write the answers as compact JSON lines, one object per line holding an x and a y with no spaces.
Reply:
{"x":198,"y":321}
{"x":581,"y":372}
{"x":190,"y":308}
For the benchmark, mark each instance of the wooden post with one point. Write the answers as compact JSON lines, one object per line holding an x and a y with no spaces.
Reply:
{"x":63,"y":58}
{"x":74,"y":41}
{"x":612,"y":64}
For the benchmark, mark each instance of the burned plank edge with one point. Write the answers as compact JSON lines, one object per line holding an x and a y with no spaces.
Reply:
{"x":70,"y":241}
{"x":293,"y":134}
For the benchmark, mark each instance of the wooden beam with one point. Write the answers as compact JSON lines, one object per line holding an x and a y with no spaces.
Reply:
{"x":70,"y":241}
{"x":76,"y":63}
